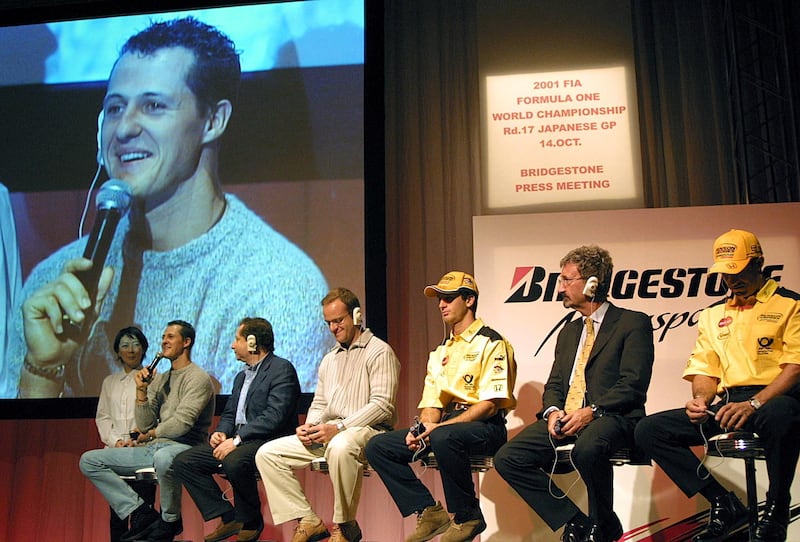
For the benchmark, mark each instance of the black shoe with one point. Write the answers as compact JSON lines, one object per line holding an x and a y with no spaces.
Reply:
{"x":610,"y":532}
{"x":727,"y":514}
{"x":575,"y":530}
{"x":143,"y":520}
{"x":773,"y":524}
{"x":165,"y":531}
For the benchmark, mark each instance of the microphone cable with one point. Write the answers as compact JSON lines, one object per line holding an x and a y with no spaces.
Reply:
{"x":555,"y":465}
{"x":88,"y":199}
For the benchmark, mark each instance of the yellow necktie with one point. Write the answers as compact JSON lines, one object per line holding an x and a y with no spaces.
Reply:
{"x":577,"y":389}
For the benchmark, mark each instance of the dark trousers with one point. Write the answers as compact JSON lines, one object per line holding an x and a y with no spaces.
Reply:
{"x":195,"y":468}
{"x":667,"y":438}
{"x":389,"y":456}
{"x":147,"y":491}
{"x":527,"y":460}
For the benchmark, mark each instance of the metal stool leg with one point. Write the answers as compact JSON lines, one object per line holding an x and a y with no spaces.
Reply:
{"x":752,"y":495}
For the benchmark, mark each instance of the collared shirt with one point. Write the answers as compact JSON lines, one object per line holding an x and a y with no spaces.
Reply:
{"x":476,"y":365}
{"x":746,"y":346}
{"x":597,"y":319}
{"x":250,"y":373}
{"x":115,"y":407}
{"x":357,"y":384}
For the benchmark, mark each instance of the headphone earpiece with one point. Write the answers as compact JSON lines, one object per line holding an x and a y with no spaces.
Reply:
{"x":100,"y":117}
{"x":252,"y":347}
{"x":357,"y":316}
{"x":591,"y":286}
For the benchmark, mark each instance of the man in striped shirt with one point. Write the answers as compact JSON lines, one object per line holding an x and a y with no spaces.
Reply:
{"x":354,"y":401}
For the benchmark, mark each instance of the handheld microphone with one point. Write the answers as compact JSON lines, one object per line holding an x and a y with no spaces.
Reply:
{"x":113,"y":201}
{"x":152,"y":366}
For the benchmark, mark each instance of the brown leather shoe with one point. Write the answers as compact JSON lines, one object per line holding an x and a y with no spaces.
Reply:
{"x":249,"y":535}
{"x":432,"y":521}
{"x":223,"y":531}
{"x":310,"y":532}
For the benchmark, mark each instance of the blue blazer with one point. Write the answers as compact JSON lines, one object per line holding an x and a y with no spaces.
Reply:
{"x":273,"y":401}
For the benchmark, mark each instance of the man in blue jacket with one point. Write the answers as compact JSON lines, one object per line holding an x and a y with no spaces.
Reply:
{"x":262,"y":406}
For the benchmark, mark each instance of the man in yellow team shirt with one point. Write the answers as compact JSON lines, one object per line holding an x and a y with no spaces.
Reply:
{"x":469,"y":388}
{"x":747,"y":355}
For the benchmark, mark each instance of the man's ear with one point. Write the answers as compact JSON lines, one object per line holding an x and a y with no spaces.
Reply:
{"x":217,"y":121}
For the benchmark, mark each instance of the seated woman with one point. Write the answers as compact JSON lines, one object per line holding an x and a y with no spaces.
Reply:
{"x":115,"y":418}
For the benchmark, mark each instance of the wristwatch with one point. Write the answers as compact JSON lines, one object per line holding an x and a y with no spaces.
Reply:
{"x":237,"y":440}
{"x":597,"y":412}
{"x":340,"y":426}
{"x":755,"y":403}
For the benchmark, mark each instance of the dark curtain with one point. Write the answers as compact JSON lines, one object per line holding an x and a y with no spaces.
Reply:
{"x":432,"y":169}
{"x":685,"y":114}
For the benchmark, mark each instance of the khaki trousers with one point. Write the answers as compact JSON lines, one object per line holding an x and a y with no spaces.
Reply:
{"x":277,"y":460}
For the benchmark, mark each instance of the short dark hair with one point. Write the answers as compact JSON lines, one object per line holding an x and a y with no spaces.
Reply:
{"x":187,"y":330}
{"x":136,"y":333}
{"x":465,"y":293}
{"x":592,"y":261}
{"x":345,"y":296}
{"x":216,"y":72}
{"x":261,"y":329}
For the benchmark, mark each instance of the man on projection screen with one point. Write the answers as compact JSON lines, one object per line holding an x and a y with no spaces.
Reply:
{"x":185,"y":244}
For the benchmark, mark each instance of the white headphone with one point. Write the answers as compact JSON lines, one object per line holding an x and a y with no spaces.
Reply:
{"x":100,"y":117}
{"x":252,"y":347}
{"x":591,"y":286}
{"x":357,"y":316}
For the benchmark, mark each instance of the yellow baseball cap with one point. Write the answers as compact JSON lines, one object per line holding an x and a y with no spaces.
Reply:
{"x":451,"y":283}
{"x":733,"y":251}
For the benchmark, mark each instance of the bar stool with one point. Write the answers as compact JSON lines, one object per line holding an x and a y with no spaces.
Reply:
{"x":622,"y":456}
{"x":747,"y":446}
{"x":320,"y":464}
{"x":477,"y":462}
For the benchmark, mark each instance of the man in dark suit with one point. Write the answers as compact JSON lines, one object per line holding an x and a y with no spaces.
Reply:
{"x":593,"y":398}
{"x":263,"y":405}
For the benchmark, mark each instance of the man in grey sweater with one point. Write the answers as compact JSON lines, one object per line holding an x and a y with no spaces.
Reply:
{"x":173,"y":413}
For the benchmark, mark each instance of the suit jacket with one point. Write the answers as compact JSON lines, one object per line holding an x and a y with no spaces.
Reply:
{"x":619,"y":367}
{"x":272,"y":406}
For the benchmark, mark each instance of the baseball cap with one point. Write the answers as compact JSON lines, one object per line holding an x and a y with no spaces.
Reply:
{"x":451,"y":283}
{"x":733,"y":251}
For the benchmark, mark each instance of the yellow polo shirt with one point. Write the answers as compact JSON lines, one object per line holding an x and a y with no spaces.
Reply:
{"x":476,"y":365}
{"x":746,"y":346}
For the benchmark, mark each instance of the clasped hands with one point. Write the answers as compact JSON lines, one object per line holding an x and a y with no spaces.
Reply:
{"x":570,"y":424}
{"x":316,"y":434}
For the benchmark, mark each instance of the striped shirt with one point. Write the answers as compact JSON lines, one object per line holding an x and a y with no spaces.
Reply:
{"x":357,"y":385}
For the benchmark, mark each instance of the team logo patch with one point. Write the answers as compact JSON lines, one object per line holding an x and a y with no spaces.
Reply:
{"x":773,"y":317}
{"x":765,"y":345}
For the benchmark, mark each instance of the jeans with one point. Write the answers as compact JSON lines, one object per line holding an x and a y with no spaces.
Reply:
{"x":104,"y":467}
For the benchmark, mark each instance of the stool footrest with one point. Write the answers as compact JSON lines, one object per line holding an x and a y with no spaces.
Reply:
{"x":737,"y":444}
{"x":477,"y":463}
{"x":321,"y":465}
